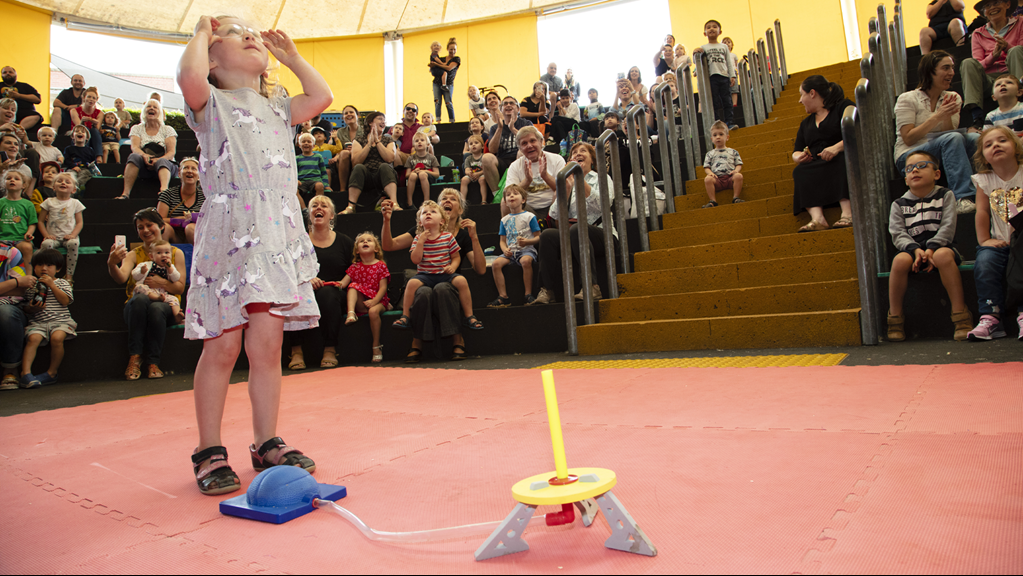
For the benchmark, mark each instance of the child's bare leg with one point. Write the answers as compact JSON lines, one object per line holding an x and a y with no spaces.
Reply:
{"x":424,"y":183}
{"x":374,"y":322}
{"x":710,"y":182}
{"x":155,"y":296}
{"x":498,"y":267}
{"x":263,"y":340}
{"x":28,"y":355}
{"x":25,"y":247}
{"x":56,"y":351}
{"x":179,"y":316}
{"x":465,"y":188}
{"x":898,"y":281}
{"x":410,"y":187}
{"x":105,"y":154}
{"x":410,"y":295}
{"x":353,"y":298}
{"x":212,"y":376}
{"x":483,"y":189}
{"x":736,"y":185}
{"x":117,"y":155}
{"x":464,"y":296}
{"x":527,"y":273}
{"x":945,"y":262}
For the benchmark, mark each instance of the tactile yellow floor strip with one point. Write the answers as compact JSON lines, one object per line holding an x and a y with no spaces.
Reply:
{"x":717,"y":362}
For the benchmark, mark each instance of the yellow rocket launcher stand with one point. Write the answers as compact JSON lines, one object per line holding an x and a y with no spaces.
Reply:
{"x":588,"y":489}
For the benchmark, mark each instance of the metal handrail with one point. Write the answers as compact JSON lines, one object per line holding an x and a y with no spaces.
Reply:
{"x":758,"y":91}
{"x":765,"y":77}
{"x":745,"y":93}
{"x":775,"y":70}
{"x":781,"y":54}
{"x":706,"y":100}
{"x":865,"y":239}
{"x":617,"y":198}
{"x":887,"y":54}
{"x":639,"y":170}
{"x":688,"y":113}
{"x":668,"y":141}
{"x":875,"y":152}
{"x":884,"y":114}
{"x":564,"y":233}
{"x":881,"y":79}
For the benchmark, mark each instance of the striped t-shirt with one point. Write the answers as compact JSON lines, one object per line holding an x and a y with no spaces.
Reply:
{"x":312,"y":168}
{"x":54,"y":312}
{"x":437,"y":253}
{"x":926,"y":223}
{"x":1013,"y":119}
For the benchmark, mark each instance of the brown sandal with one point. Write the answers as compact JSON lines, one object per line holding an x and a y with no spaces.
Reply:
{"x":155,"y":372}
{"x":216,"y":477}
{"x":843,"y":222}
{"x":296,"y":363}
{"x":814,"y":227}
{"x":286,"y":456}
{"x":134,"y":369}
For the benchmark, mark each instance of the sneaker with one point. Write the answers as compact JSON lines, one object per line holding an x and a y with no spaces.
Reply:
{"x":965,"y":206}
{"x":733,"y":127}
{"x":988,"y":328}
{"x":544,"y":297}
{"x":595,"y":293}
{"x":29,"y":381}
{"x":10,"y":382}
{"x":500,"y":302}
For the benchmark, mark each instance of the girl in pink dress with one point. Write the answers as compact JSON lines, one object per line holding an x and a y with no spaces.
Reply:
{"x":366,"y":281}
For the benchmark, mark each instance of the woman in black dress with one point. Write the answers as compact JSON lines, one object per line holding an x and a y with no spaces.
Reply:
{"x":334,"y":252}
{"x":820,"y":175}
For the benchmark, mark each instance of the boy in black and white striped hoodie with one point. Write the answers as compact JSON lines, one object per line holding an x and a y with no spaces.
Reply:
{"x":922,"y":224}
{"x":48,"y":318}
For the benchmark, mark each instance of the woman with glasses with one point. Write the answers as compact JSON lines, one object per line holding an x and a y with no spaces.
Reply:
{"x":819,"y":176}
{"x":927,"y":119}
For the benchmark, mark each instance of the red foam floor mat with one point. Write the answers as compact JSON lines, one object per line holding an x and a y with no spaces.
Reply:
{"x":728,"y":470}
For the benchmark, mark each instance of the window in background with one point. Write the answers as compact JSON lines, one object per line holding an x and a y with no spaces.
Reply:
{"x":394,"y":66}
{"x":597,"y":64}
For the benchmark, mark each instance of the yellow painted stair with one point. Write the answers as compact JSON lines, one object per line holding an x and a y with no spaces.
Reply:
{"x":739,"y":275}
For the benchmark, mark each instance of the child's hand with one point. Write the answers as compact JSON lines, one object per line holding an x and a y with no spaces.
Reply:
{"x":929,"y":258}
{"x":28,"y":236}
{"x":281,"y":46}
{"x":919,"y":259}
{"x":46,"y":279}
{"x":208,"y":25}
{"x":450,"y":268}
{"x":33,"y":309}
{"x":507,"y":253}
{"x":49,"y":237}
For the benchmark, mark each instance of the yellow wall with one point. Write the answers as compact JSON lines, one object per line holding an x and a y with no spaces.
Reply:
{"x":512,"y":60}
{"x":27,"y":48}
{"x":353,"y":67}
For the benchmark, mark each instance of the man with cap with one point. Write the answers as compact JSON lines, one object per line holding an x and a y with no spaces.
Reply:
{"x":997,"y":48}
{"x":24,"y":94}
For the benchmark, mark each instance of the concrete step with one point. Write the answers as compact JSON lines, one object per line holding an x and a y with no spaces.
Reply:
{"x":748,"y":137}
{"x":737,"y":230}
{"x":751,"y":177}
{"x":748,"y":250}
{"x":781,"y":299}
{"x":803,"y":329}
{"x":697,"y":196}
{"x":792,"y":270}
{"x":727,"y":212}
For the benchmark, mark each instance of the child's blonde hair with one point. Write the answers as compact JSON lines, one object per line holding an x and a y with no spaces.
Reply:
{"x":268,"y":85}
{"x":980,"y":162}
{"x":159,"y":243}
{"x":419,"y":216}
{"x":3,"y":179}
{"x":476,"y":138}
{"x":68,"y":175}
{"x":378,"y":250}
{"x":306,"y":136}
{"x":420,"y":136}
{"x":522,"y":191}
{"x":47,"y":130}
{"x":719,"y":125}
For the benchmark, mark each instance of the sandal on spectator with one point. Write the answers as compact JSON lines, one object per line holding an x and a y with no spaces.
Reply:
{"x":814,"y":226}
{"x":710,"y":204}
{"x":296,"y":362}
{"x":10,"y":382}
{"x":415,"y":356}
{"x":401,"y":323}
{"x":500,"y":302}
{"x":458,"y":352}
{"x":843,"y":222}
{"x":216,"y":477}
{"x":350,"y":209}
{"x":737,"y":200}
{"x":352,"y":318}
{"x":378,"y":354}
{"x":328,"y":361}
{"x":155,"y":372}
{"x":472,"y":323}
{"x":286,"y":456}
{"x":122,"y":197}
{"x":134,"y":369}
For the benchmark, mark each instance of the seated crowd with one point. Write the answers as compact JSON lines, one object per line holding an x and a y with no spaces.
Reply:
{"x":938,"y":131}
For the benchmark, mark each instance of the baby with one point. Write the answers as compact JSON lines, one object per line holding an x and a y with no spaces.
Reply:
{"x":45,"y":148}
{"x":162,"y":266}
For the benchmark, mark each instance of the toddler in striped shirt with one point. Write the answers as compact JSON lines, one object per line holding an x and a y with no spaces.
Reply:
{"x":435,"y":254}
{"x":49,"y":320}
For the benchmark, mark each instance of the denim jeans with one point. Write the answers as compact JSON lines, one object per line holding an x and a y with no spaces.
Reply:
{"x":147,"y":324}
{"x":953,"y":150}
{"x":989,"y":276}
{"x":12,"y":335}
{"x":437,"y":93}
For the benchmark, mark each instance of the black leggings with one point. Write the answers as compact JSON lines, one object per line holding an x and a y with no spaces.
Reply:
{"x":550,"y":257}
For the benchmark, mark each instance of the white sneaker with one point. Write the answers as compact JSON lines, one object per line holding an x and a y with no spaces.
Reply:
{"x":1019,"y":320}
{"x":965,"y":206}
{"x":595,"y":293}
{"x":544,"y":297}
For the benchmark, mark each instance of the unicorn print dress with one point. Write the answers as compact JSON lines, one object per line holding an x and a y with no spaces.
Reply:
{"x":251,"y":245}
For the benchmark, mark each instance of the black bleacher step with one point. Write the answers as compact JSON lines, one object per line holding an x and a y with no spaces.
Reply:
{"x":107,"y":188}
{"x":113,"y":211}
{"x":926,"y":306}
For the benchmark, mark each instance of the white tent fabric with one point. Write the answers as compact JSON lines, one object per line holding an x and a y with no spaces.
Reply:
{"x":301,"y":18}
{"x":133,"y":94}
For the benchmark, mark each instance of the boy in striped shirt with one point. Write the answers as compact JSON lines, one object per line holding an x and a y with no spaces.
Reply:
{"x":922,"y":224}
{"x":312,"y":169}
{"x":435,"y":253}
{"x":49,"y":320}
{"x":1009,"y":113}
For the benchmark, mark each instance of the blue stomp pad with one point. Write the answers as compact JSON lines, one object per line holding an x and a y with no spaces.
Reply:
{"x":240,"y":507}
{"x":280,"y":494}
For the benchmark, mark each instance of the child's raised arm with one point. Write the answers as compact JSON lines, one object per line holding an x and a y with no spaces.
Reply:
{"x":194,"y":66}
{"x":316,"y":93}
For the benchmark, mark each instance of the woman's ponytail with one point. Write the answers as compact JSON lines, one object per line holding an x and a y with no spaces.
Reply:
{"x":830,"y":92}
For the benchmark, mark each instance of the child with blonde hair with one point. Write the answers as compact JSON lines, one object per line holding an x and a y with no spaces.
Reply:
{"x":17,"y":215}
{"x":366,"y":280}
{"x":473,"y":167}
{"x":435,"y":254}
{"x":257,"y":278}
{"x":519,"y":233}
{"x":45,"y":148}
{"x":999,"y":163}
{"x":60,"y":220}
{"x":422,"y":167}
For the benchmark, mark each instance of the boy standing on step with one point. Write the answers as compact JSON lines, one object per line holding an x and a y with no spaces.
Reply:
{"x":922,"y":224}
{"x":722,"y":73}
{"x":723,"y":166}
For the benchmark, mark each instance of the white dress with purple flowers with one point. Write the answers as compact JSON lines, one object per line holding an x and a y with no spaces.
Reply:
{"x":250,"y":242}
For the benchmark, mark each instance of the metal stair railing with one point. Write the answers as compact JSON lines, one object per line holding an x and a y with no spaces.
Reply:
{"x":757,"y":89}
{"x":775,"y":69}
{"x":618,"y":200}
{"x":690,"y":133}
{"x":765,"y":76}
{"x":781,"y":54}
{"x":668,"y":141}
{"x":642,"y":171}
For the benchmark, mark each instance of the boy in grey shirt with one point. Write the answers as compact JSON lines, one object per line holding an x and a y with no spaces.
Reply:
{"x":722,"y":72}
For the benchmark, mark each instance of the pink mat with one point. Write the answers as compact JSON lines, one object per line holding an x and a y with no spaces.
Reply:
{"x":827,"y":469}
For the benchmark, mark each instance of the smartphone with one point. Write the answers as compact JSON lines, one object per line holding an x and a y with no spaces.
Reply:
{"x":621,"y":75}
{"x":121,"y":240}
